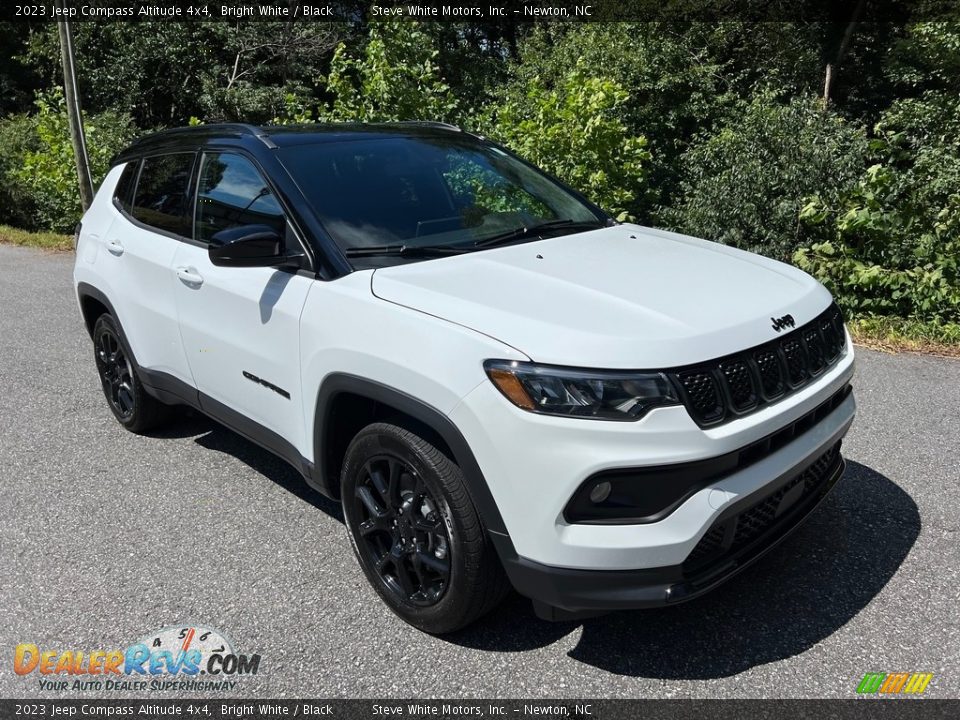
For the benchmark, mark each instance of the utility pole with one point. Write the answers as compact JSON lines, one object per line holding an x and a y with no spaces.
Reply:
{"x":74,"y":116}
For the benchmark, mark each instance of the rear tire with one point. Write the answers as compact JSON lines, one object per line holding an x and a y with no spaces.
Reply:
{"x":130,"y":403}
{"x":415,"y":531}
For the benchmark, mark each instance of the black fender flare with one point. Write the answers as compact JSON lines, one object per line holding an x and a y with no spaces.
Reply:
{"x":86,"y":290}
{"x":338,"y":383}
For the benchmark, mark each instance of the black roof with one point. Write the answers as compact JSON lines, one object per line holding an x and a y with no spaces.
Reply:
{"x":274,"y":136}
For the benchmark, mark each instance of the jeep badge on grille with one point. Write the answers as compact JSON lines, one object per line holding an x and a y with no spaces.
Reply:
{"x":781,"y":322}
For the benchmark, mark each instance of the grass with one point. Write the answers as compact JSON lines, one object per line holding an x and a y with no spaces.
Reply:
{"x":45,"y":240}
{"x":892,"y":334}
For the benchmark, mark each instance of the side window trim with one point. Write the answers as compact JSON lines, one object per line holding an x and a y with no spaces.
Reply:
{"x":192,"y":183}
{"x":292,"y":224}
{"x":195,"y":197}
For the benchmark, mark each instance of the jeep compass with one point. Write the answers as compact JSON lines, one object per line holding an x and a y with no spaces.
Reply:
{"x":503,"y":386}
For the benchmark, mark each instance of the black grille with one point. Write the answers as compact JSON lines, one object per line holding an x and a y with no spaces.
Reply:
{"x":734,"y":534}
{"x":832,"y":338}
{"x":732,"y":386}
{"x":814,"y":476}
{"x":703,"y":394}
{"x":771,"y":373}
{"x":740,"y":384}
{"x":796,"y":359}
{"x":816,"y":356}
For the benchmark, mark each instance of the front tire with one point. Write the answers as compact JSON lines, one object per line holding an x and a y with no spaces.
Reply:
{"x":415,"y":531}
{"x":131,"y":405}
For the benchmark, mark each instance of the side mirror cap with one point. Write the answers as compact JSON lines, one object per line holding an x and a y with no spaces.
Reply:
{"x":249,"y":246}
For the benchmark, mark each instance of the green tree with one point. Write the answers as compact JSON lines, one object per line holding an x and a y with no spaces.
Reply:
{"x":17,"y":137}
{"x":394,"y":77}
{"x":48,"y":174}
{"x":747,"y":183}
{"x":575,"y":132}
{"x":18,"y":82}
{"x":892,"y":245}
{"x":885,"y":258}
{"x":684,"y":79}
{"x":163,"y":73}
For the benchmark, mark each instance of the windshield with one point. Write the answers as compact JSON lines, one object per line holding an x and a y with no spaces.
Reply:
{"x":411,"y":192}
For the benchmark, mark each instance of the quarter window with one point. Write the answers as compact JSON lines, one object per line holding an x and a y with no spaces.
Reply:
{"x":162,"y":199}
{"x":231,"y":194}
{"x":128,"y":178}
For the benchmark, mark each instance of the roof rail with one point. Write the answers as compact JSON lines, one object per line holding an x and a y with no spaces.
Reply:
{"x":429,"y":123}
{"x":238,"y":128}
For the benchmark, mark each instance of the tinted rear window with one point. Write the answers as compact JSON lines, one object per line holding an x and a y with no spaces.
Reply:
{"x":162,"y":199}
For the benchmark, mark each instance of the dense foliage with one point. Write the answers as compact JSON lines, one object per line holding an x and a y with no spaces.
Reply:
{"x":745,"y":184}
{"x":396,"y":77}
{"x":893,"y":242}
{"x":719,"y":130}
{"x":576,"y":132}
{"x":44,"y":174}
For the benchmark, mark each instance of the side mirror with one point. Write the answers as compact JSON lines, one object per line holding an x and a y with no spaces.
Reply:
{"x":249,"y":246}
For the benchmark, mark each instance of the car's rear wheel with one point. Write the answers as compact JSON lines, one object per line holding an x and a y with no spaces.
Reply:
{"x":133,"y":407}
{"x":415,"y":531}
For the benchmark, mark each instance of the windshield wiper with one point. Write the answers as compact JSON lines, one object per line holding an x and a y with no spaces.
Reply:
{"x":425,"y":251}
{"x":530,"y":230}
{"x":404,"y":250}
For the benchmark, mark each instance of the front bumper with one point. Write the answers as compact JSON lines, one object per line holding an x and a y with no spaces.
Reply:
{"x":533,"y":464}
{"x":744,"y":532}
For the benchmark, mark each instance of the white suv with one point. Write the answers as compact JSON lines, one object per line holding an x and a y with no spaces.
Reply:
{"x":502,"y":385}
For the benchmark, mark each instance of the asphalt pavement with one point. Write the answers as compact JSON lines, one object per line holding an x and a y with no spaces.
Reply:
{"x":106,"y":536}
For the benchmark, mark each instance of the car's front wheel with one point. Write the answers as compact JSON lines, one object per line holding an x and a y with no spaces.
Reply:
{"x":136,"y":410}
{"x":415,"y":531}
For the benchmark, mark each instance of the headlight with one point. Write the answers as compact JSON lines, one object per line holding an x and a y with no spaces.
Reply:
{"x":596,"y":394}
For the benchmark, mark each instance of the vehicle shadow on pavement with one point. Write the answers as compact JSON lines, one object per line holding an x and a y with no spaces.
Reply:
{"x":214,"y":436}
{"x":806,"y":589}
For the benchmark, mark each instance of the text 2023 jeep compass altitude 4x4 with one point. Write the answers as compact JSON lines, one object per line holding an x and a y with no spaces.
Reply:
{"x":500,"y":383}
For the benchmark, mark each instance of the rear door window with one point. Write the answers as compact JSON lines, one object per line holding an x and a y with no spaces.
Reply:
{"x":162,"y":197}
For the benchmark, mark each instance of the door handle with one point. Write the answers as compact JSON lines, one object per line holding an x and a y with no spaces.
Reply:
{"x":189,"y":276}
{"x":115,"y":247}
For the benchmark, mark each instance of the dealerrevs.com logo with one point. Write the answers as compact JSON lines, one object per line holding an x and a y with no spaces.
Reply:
{"x":174,"y":658}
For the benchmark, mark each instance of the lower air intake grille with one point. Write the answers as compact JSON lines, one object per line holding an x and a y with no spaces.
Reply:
{"x":733,"y":534}
{"x":708,"y":547}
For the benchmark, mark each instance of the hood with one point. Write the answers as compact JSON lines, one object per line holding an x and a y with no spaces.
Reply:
{"x":619,"y":297}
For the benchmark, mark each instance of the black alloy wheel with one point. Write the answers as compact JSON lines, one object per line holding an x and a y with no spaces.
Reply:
{"x":116,"y":373}
{"x":402,"y":532}
{"x":415,"y":531}
{"x":129,"y":402}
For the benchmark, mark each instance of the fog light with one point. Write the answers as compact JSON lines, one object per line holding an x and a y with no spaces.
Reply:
{"x":600,"y":492}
